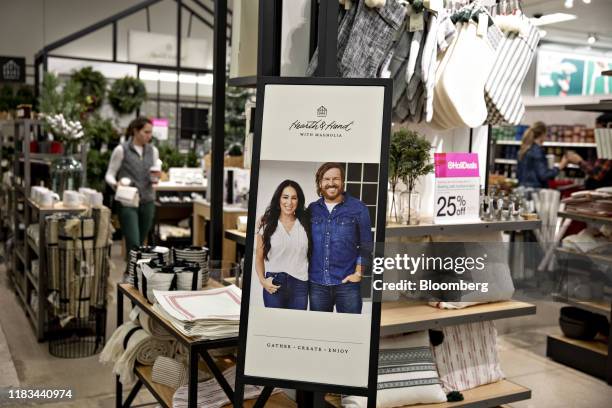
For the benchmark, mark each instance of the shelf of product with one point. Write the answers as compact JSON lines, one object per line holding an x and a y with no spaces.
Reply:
{"x":56,"y":207}
{"x":593,"y":257}
{"x":585,"y":218}
{"x":590,"y":357}
{"x":405,"y":316}
{"x":603,"y":106}
{"x":164,"y":394}
{"x":599,"y":307}
{"x":490,"y":395}
{"x":425,"y":228}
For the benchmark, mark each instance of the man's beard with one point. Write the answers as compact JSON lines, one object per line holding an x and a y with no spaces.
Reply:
{"x":330,"y":196}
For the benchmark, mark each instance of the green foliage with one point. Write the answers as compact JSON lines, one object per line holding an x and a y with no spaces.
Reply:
{"x":127,"y":94}
{"x":97,"y":162}
{"x":24,"y":95}
{"x":93,"y":88}
{"x":235,"y":149}
{"x":101,"y":131}
{"x":7,"y":98}
{"x":409,"y":158}
{"x":171,"y":157}
{"x":55,"y":100}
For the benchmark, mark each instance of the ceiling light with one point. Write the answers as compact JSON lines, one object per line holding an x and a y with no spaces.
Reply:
{"x":569,"y":4}
{"x":592,"y":39}
{"x":586,"y":1}
{"x":552,"y":19}
{"x":543,"y":33}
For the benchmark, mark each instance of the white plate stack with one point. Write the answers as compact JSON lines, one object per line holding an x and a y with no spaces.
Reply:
{"x":194,"y":254}
{"x":146,"y":252}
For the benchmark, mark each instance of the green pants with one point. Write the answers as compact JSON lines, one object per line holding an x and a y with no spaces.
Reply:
{"x":136,"y":224}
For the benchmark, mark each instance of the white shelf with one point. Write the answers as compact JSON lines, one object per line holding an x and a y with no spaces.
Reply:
{"x":505,"y":161}
{"x":546,"y":144}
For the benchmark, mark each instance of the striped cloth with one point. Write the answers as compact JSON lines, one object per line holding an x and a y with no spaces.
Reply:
{"x":169,"y":372}
{"x":503,"y":86}
{"x":407,"y":374}
{"x":467,"y":358}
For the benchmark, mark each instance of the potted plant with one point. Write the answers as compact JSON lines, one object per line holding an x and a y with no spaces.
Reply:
{"x":412,"y":160}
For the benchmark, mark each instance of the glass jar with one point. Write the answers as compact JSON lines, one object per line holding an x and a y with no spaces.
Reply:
{"x":410,"y":207}
{"x":66,"y":173}
{"x":394,"y":214}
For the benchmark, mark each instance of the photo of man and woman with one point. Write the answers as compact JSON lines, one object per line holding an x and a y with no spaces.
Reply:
{"x":314,"y":240}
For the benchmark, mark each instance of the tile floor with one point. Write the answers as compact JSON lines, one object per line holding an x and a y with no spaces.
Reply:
{"x":522,"y":344}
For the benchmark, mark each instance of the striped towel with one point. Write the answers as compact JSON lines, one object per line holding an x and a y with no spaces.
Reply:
{"x":503,"y":86}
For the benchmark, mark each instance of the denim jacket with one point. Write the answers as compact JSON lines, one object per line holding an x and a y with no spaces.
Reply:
{"x":532,"y":169}
{"x":340,"y":240}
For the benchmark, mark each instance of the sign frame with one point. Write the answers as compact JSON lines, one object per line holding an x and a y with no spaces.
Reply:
{"x":317,"y":388}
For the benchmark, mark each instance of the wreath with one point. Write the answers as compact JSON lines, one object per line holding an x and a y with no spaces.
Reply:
{"x":127,"y":94}
{"x":93,"y":88}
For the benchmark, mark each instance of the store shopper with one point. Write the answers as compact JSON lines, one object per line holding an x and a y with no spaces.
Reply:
{"x":533,"y":170}
{"x":131,"y":164}
{"x":283,"y":247}
{"x":598,"y":173}
{"x":341,"y":244}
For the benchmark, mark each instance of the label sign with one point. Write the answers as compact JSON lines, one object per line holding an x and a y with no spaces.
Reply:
{"x":160,"y":128}
{"x":12,"y":69}
{"x":457,"y":193}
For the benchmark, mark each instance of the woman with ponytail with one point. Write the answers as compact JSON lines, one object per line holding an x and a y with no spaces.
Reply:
{"x":136,"y":163}
{"x":532,"y":169}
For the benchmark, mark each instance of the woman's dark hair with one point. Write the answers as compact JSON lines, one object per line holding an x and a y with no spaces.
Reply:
{"x":137,"y":124}
{"x":269,"y":221}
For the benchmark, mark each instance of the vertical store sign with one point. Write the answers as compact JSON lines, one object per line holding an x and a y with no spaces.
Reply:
{"x":160,"y":128}
{"x":303,"y":125}
{"x":457,"y":188}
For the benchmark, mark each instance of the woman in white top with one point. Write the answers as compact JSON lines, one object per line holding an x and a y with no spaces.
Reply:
{"x":283,"y":248}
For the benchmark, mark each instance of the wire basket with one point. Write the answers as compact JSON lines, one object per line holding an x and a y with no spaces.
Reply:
{"x":78,"y":269}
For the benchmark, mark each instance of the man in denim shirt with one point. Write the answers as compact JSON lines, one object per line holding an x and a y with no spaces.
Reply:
{"x":341,"y":244}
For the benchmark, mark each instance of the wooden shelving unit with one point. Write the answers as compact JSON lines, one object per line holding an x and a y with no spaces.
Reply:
{"x":405,"y":316}
{"x":428,"y":228}
{"x":164,"y":394}
{"x":592,"y":357}
{"x":600,"y":307}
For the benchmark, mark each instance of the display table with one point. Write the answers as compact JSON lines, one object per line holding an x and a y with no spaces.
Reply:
{"x":196,"y":348}
{"x":201,"y":216}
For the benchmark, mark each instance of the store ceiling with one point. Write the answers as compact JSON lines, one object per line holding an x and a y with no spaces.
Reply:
{"x":591,"y":17}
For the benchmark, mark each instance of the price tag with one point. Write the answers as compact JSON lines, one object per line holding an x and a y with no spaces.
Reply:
{"x":457,"y":188}
{"x":416,"y":22}
{"x":483,"y":24}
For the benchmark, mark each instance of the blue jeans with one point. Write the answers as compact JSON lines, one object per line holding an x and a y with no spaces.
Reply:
{"x":292,"y":294}
{"x":346,"y":297}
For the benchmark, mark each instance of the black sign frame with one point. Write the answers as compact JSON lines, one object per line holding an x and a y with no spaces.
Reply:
{"x":318,"y":388}
{"x":20,"y":62}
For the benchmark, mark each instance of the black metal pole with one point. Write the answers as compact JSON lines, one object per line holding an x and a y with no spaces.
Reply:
{"x":215,"y":180}
{"x":114,"y":41}
{"x":328,"y":39}
{"x":179,"y":34}
{"x":269,"y":40}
